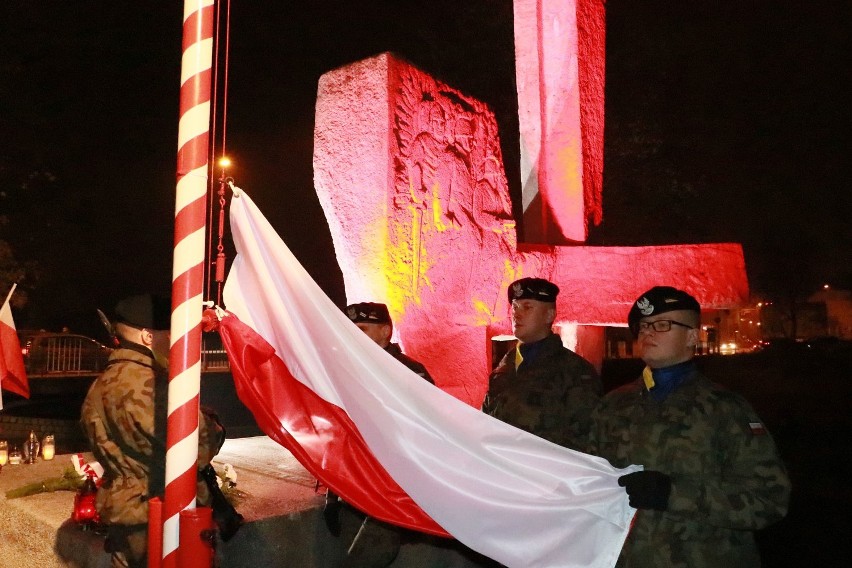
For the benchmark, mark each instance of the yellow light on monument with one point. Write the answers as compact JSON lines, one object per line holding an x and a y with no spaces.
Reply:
{"x":224,"y":162}
{"x":48,"y":447}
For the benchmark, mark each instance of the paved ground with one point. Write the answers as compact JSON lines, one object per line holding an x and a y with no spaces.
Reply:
{"x":275,"y":483}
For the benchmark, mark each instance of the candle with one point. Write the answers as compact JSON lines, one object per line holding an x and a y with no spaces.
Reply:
{"x":4,"y":452}
{"x":15,"y":456}
{"x":48,"y":447}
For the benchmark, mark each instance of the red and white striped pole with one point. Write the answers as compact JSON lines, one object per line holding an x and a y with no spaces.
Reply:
{"x":188,"y":270}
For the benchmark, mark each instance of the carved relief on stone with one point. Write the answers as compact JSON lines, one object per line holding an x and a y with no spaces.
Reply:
{"x":448,"y":155}
{"x":410,"y":177}
{"x":448,"y":179}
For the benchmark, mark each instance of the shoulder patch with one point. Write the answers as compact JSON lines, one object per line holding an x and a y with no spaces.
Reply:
{"x":757,"y":428}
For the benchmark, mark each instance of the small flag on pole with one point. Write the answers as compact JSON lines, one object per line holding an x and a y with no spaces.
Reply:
{"x":13,"y":375}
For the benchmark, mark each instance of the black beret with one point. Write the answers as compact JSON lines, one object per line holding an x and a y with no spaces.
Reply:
{"x":145,"y":311}
{"x":659,"y":300}
{"x":533,"y":289}
{"x":368,"y":312}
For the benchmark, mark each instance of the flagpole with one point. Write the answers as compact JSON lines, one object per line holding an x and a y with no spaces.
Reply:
{"x":187,"y":271}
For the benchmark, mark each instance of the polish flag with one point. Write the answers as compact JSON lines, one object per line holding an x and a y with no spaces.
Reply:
{"x":391,"y":444}
{"x":13,"y":375}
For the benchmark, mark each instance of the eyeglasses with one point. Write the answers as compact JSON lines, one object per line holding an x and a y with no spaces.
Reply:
{"x":660,"y":325}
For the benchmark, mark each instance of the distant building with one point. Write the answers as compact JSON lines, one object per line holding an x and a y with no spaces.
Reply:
{"x":827,"y":313}
{"x":838,"y":311}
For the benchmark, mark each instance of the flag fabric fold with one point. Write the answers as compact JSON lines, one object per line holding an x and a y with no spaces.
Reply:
{"x":390,"y":443}
{"x":13,"y":374}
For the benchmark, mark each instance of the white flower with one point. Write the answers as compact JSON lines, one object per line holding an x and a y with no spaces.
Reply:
{"x":230,"y":475}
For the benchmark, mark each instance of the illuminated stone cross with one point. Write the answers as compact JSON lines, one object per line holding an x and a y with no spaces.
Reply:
{"x":410,"y":175}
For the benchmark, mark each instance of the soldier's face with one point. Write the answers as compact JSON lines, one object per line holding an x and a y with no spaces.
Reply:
{"x":532,"y":320}
{"x":378,"y":332}
{"x":665,"y":348}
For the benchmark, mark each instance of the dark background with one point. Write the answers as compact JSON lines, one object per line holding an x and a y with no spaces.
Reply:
{"x":723,"y":123}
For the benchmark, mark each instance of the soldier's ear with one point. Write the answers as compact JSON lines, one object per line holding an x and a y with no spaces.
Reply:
{"x":146,"y":337}
{"x":692,"y":338}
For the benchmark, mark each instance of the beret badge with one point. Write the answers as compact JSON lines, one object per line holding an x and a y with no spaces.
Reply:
{"x":517,"y":290}
{"x":645,"y":306}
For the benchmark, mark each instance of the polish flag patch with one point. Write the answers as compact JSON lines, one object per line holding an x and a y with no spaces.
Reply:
{"x":757,"y":428}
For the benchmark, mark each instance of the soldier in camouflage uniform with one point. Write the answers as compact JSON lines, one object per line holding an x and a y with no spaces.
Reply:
{"x":712,"y":473}
{"x":372,"y":543}
{"x":541,"y":386}
{"x":124,"y":419}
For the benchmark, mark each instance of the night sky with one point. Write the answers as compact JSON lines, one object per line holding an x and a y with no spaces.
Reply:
{"x":722,"y":124}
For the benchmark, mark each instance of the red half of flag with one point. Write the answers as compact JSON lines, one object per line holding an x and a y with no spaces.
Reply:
{"x":319,"y":434}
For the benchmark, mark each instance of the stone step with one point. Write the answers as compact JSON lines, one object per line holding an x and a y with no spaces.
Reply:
{"x":283,"y":512}
{"x":29,"y":525}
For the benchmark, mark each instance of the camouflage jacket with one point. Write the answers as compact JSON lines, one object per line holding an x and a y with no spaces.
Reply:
{"x":727,"y":477}
{"x":551,"y":396}
{"x":416,"y":366}
{"x":124,"y":419}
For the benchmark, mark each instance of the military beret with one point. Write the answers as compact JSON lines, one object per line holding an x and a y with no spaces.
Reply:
{"x":533,"y":289}
{"x":368,"y":312}
{"x":145,"y":311}
{"x":659,"y":300}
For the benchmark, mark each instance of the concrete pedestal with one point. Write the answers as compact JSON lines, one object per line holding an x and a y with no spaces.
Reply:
{"x":283,"y":512}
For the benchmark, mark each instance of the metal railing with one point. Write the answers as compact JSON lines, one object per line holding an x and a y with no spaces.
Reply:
{"x":61,"y":354}
{"x":214,"y":360}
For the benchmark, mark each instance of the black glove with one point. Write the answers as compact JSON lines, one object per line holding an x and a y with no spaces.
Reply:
{"x":647,"y":489}
{"x":331,"y":513}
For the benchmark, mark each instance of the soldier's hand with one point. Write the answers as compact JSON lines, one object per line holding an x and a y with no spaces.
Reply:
{"x":331,"y":514}
{"x":647,"y":489}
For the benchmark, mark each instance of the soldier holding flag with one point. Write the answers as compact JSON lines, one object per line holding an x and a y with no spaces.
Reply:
{"x":712,"y":473}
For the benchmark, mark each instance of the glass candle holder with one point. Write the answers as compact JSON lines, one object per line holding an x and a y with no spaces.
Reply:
{"x":4,"y":452}
{"x":48,"y":447}
{"x":32,"y":448}
{"x":14,"y":456}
